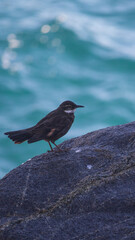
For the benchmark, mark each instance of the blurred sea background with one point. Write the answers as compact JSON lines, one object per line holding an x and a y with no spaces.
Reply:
{"x":52,"y":51}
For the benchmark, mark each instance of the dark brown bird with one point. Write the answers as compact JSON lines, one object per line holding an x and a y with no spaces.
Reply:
{"x":52,"y":127}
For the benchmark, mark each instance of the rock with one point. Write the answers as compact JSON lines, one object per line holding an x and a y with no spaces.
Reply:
{"x":86,"y":192}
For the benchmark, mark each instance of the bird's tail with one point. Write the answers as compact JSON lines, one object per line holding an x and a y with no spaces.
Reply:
{"x":20,"y":135}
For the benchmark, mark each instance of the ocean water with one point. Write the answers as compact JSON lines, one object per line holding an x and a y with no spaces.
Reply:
{"x":51,"y":51}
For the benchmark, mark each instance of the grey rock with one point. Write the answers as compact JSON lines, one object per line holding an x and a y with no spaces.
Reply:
{"x":86,"y":192}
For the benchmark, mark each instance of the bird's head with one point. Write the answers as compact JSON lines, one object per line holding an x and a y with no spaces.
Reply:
{"x":69,"y":106}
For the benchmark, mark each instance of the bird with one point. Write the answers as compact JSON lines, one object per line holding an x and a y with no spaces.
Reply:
{"x":50,"y":128}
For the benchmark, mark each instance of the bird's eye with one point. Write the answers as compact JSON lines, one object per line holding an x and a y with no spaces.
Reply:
{"x":68,"y":107}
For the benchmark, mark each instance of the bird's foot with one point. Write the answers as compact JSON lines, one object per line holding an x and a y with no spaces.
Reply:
{"x":65,"y":149}
{"x":58,"y":150}
{"x":49,"y":151}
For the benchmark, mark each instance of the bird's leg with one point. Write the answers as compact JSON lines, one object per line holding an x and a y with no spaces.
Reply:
{"x":56,"y":146}
{"x":50,"y":146}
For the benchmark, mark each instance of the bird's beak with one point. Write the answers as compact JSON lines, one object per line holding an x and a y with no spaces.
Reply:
{"x":79,"y":106}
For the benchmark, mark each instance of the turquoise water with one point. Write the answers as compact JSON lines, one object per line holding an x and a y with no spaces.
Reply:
{"x":51,"y":51}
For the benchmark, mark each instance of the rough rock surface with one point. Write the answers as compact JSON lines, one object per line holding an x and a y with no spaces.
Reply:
{"x":84,"y":193}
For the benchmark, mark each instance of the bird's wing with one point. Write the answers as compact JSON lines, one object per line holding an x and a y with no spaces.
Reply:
{"x":58,"y":126}
{"x":48,"y":116}
{"x":51,"y":126}
{"x":55,"y":121}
